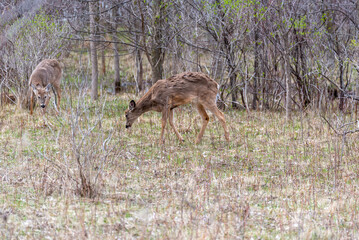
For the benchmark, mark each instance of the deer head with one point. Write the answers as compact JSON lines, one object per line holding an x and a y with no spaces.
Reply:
{"x":131,"y":114}
{"x":42,"y":94}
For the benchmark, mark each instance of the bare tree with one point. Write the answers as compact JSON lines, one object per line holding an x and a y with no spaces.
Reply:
{"x":288,"y":65}
{"x":158,"y":52}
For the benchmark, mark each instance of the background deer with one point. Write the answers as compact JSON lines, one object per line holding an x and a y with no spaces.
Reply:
{"x":167,"y":94}
{"x":46,"y":76}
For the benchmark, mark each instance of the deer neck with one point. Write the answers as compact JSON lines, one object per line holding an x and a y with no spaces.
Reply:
{"x":145,"y":104}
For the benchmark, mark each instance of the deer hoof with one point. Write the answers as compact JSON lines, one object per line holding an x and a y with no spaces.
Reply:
{"x":227,"y":137}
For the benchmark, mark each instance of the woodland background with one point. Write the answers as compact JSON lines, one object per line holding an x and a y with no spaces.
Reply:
{"x":277,"y":55}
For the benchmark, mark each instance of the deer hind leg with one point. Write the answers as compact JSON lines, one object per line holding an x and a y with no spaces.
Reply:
{"x":59,"y":98}
{"x":53,"y":90}
{"x":173,"y":126}
{"x":205,"y":120}
{"x":213,"y":108}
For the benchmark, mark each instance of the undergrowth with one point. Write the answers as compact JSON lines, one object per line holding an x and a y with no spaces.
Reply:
{"x":275,"y":179}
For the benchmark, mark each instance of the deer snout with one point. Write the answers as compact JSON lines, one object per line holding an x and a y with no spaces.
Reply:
{"x":42,"y":105}
{"x":128,"y":126}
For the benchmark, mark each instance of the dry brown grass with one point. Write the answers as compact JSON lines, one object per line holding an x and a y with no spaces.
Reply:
{"x":274,"y":180}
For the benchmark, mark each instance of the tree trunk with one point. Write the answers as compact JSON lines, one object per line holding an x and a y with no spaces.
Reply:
{"x":217,"y":65}
{"x":116,"y":63}
{"x":103,"y":60}
{"x":234,"y":89}
{"x":264,"y":67}
{"x":138,"y":60}
{"x":117,"y":82}
{"x":226,"y":47}
{"x":341,"y":84}
{"x":103,"y":25}
{"x":158,"y":53}
{"x":93,"y":36}
{"x":287,"y":77}
{"x":256,"y":66}
{"x":299,"y":70}
{"x":341,"y":73}
{"x":139,"y":67}
{"x":231,"y":66}
{"x":157,"y":60}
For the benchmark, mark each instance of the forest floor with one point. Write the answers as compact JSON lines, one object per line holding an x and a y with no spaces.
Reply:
{"x":81,"y":174}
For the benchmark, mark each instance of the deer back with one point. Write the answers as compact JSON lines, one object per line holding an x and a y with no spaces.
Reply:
{"x":184,"y":88}
{"x":47,"y":71}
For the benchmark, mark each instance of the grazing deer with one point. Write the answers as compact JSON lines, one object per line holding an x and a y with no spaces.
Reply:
{"x":167,"y":94}
{"x":46,"y":76}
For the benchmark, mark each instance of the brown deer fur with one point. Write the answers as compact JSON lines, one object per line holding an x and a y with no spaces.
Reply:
{"x":167,"y":94}
{"x":46,"y":76}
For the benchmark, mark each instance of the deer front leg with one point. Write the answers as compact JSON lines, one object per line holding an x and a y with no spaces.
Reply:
{"x":43,"y":111}
{"x":31,"y":102}
{"x":164,"y":122}
{"x":173,"y":126}
{"x":58,"y":98}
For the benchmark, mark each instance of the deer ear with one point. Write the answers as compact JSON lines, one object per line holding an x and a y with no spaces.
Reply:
{"x":34,"y":89}
{"x":132,"y":105}
{"x":48,"y":87}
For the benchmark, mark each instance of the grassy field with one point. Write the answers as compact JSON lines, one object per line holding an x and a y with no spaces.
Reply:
{"x":81,"y":174}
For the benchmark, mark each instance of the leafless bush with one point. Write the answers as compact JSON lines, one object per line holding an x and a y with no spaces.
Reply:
{"x":90,"y":145}
{"x":80,"y":170}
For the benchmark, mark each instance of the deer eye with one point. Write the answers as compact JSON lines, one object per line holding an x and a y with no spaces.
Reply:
{"x":45,"y":97}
